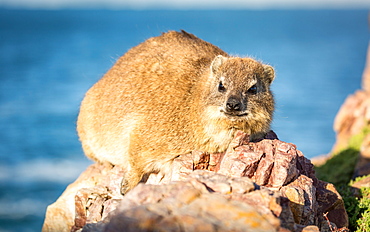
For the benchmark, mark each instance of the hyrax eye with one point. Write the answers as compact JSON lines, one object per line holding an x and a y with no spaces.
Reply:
{"x":221,"y":87}
{"x":253,"y":89}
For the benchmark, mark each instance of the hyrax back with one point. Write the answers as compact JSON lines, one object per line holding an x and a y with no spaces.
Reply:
{"x":168,"y":96}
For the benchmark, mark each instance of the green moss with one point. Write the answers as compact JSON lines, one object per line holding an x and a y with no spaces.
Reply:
{"x":351,"y":204}
{"x":358,"y":208}
{"x":356,"y":140}
{"x":339,"y":170}
{"x":363,"y":222}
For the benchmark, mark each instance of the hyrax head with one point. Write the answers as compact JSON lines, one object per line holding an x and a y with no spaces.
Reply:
{"x":240,"y":93}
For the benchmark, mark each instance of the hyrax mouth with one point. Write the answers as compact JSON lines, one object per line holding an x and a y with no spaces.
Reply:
{"x":234,"y":114}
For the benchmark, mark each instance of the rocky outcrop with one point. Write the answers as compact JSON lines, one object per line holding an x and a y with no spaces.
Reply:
{"x":354,"y":114}
{"x":352,"y":118}
{"x":205,"y":201}
{"x":350,"y":156}
{"x":255,"y":186}
{"x":61,"y":215}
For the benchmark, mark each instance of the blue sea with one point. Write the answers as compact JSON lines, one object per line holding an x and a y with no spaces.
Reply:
{"x":49,"y":59}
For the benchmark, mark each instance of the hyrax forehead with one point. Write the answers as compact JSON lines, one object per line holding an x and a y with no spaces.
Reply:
{"x":241,"y":70}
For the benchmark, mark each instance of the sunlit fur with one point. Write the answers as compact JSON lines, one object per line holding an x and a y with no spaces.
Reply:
{"x":161,"y":99}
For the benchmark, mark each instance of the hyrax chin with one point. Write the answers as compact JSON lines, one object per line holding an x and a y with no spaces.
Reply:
{"x":168,"y":96}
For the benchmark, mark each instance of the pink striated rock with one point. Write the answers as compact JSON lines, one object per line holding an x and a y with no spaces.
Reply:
{"x":271,"y":163}
{"x":193,"y":204}
{"x":266,"y":185}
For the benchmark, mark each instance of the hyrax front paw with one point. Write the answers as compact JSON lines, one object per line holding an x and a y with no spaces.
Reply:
{"x":124,"y":186}
{"x":129,"y":181}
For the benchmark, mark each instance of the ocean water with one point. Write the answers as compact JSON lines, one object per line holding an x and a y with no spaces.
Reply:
{"x":49,"y":59}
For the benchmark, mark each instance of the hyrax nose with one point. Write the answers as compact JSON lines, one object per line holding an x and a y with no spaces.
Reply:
{"x":233,"y":104}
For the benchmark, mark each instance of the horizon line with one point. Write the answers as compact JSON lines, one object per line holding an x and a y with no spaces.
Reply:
{"x":184,"y":5}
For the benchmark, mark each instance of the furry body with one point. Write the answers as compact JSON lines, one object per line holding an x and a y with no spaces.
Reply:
{"x":168,"y":96}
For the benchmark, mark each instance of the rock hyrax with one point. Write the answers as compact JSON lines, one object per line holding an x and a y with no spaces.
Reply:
{"x":168,"y":96}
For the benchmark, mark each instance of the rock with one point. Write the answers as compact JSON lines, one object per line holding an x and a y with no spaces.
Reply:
{"x":363,"y":183}
{"x":362,"y":167}
{"x":320,"y":160}
{"x":98,"y":181}
{"x":311,"y":229}
{"x":189,"y":204}
{"x":366,"y":74}
{"x":60,"y":216}
{"x":354,"y":114}
{"x":365,"y":147}
{"x":331,"y":204}
{"x":266,"y":185}
{"x":352,"y":118}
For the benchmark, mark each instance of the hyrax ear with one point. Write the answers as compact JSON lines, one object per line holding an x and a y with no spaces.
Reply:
{"x":217,"y":62}
{"x":269,"y":73}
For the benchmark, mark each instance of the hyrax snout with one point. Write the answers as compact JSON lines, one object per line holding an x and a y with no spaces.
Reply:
{"x":168,"y":96}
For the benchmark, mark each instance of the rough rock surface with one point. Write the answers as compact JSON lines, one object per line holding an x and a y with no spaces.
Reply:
{"x":194,"y":206}
{"x":255,"y":186}
{"x":67,"y":210}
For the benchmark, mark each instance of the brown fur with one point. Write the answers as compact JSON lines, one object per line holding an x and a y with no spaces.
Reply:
{"x":163,"y":98}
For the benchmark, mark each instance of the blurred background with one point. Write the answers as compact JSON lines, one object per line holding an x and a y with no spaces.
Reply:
{"x":52,"y":52}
